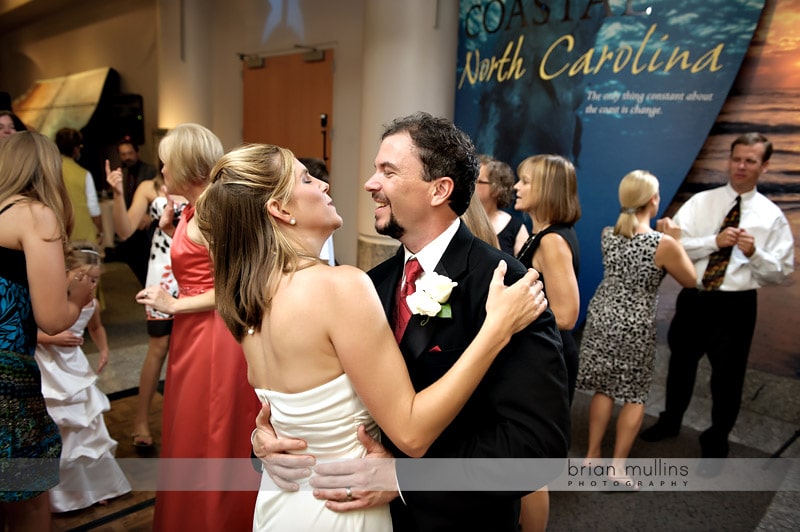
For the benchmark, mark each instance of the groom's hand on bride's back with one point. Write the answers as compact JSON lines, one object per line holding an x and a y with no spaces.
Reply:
{"x":357,"y":484}
{"x":282,"y":467}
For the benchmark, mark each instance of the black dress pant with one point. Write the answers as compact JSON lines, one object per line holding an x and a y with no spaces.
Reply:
{"x":720,"y":325}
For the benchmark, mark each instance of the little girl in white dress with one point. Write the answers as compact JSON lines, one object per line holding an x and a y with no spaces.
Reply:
{"x":89,"y":472}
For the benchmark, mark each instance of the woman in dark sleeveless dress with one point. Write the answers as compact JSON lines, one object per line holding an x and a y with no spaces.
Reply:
{"x":35,"y":217}
{"x":548,"y":190}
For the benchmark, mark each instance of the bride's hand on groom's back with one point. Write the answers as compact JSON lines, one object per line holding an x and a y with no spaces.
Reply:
{"x":516,"y":306}
{"x":282,"y":467}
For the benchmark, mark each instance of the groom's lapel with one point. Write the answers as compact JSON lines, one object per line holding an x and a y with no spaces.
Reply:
{"x":453,"y":264}
{"x":454,"y":261}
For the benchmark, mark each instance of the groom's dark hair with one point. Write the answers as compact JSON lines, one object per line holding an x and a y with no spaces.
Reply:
{"x":444,"y":150}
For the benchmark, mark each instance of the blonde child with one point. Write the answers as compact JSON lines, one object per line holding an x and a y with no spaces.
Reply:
{"x":89,"y":472}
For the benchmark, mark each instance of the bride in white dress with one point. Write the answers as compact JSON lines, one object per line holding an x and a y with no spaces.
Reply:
{"x":329,"y":416}
{"x":317,"y":343}
{"x":89,"y":473}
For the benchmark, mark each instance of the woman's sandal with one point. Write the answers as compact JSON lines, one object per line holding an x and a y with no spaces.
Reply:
{"x":142,"y":441}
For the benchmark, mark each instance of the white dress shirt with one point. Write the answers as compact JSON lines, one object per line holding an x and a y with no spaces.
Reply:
{"x":326,"y":253}
{"x":431,"y":254}
{"x":91,"y":196}
{"x":700,"y":219}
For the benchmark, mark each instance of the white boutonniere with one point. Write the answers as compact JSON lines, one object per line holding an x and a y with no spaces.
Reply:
{"x":430,"y":299}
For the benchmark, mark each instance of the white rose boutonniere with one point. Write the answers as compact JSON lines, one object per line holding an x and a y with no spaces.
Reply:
{"x":430,"y":299}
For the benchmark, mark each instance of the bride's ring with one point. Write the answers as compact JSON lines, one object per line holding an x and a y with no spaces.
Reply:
{"x":349,"y":494}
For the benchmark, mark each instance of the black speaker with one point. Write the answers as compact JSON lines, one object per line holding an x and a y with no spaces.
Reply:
{"x":127,"y":118}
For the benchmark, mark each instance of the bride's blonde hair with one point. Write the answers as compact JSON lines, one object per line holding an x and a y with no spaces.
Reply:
{"x":247,"y":247}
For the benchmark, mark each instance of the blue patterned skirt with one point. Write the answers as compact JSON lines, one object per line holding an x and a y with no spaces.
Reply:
{"x":30,"y":442}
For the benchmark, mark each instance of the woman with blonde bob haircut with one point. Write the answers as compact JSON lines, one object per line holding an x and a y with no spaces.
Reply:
{"x":318,"y":346}
{"x":618,"y":346}
{"x":35,"y":218}
{"x":208,"y":408}
{"x":548,"y":191}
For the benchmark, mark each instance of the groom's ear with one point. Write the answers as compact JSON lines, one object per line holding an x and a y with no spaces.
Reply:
{"x":441,"y":190}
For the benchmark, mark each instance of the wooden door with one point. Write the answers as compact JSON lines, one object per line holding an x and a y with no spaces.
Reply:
{"x":284,"y":100}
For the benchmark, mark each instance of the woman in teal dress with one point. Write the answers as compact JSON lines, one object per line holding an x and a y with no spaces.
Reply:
{"x":35,"y":217}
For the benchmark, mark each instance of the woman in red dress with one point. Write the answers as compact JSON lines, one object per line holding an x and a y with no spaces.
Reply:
{"x":209,"y":408}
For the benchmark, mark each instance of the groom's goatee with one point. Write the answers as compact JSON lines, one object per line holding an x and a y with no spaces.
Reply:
{"x":392,"y":229}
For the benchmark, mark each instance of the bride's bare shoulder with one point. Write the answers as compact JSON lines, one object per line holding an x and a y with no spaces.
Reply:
{"x":341,"y":277}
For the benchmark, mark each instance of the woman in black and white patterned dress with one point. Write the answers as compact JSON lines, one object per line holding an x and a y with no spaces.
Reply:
{"x":149,"y":202}
{"x":619,"y":340}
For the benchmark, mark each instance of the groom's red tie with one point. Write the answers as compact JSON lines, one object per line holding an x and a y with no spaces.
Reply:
{"x":412,"y":271}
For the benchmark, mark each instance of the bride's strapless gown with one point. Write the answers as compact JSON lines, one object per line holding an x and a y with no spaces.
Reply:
{"x":327,"y":418}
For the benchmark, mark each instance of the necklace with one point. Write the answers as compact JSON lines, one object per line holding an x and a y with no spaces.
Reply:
{"x":527,"y":245}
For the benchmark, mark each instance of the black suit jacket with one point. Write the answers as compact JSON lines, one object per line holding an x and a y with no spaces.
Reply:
{"x":134,"y":176}
{"x":520,"y":409}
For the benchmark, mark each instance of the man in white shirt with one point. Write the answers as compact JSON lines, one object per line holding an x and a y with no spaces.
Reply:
{"x":753,"y":248}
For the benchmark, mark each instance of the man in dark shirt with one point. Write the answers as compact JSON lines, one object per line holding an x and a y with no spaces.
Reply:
{"x":135,"y":251}
{"x":134,"y":170}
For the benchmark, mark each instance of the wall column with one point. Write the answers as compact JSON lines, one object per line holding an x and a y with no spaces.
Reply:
{"x":410,"y":52}
{"x":184,"y":61}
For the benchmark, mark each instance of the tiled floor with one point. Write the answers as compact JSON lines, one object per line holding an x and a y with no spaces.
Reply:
{"x":132,"y":512}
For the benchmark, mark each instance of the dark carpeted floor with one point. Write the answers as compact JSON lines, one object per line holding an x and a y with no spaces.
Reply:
{"x":653,"y":510}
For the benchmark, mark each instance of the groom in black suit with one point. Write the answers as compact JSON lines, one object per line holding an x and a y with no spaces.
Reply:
{"x":425,"y":176}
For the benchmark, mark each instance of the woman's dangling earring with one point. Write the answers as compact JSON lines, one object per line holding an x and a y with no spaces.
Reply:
{"x":292,"y":222}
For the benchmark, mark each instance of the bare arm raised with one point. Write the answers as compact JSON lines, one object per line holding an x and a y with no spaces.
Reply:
{"x":126,"y":221}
